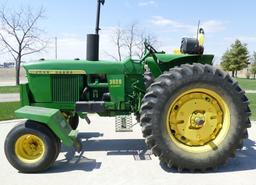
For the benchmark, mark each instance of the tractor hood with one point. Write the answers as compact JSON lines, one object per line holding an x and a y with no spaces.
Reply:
{"x":83,"y":67}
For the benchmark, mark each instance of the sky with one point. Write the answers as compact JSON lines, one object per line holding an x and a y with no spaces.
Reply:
{"x":167,"y":20}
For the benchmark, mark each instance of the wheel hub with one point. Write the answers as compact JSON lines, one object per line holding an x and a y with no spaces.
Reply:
{"x":29,"y":148}
{"x":195,"y":118}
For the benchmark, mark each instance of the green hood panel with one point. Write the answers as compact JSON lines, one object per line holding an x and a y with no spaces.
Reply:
{"x":89,"y":67}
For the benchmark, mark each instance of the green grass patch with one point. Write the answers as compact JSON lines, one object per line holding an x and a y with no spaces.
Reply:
{"x":9,"y":89}
{"x":252,"y":99}
{"x":247,"y":84}
{"x":7,"y":110}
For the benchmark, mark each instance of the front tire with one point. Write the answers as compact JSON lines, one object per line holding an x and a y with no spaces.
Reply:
{"x":31,"y":147}
{"x":194,"y":117}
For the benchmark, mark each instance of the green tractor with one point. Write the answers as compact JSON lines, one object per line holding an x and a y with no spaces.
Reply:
{"x":193,"y":115}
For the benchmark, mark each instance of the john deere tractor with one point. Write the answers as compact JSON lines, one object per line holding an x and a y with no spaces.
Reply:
{"x":193,"y":116}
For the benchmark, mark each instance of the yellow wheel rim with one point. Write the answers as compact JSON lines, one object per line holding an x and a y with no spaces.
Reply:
{"x":29,"y":148}
{"x":198,"y":120}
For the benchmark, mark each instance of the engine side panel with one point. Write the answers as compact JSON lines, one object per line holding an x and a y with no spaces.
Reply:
{"x":60,"y":85}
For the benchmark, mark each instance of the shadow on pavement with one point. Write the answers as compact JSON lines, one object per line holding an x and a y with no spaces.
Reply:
{"x":245,"y":160}
{"x":74,"y":161}
{"x":135,"y":147}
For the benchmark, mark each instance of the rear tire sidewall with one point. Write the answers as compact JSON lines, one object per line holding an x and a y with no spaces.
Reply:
{"x":166,"y":149}
{"x":210,"y":155}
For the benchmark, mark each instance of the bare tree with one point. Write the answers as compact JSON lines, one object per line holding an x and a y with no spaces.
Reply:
{"x":117,"y":39}
{"x":140,"y":48}
{"x":130,"y":39}
{"x":20,"y":35}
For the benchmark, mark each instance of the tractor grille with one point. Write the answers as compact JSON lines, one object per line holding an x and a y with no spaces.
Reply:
{"x":65,"y":88}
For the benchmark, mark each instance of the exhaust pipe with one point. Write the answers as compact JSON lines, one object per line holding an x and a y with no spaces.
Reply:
{"x":92,"y":48}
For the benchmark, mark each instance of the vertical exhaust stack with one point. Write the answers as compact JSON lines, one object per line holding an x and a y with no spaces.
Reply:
{"x":92,"y":48}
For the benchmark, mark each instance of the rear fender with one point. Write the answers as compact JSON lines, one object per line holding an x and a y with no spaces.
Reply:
{"x":165,"y":62}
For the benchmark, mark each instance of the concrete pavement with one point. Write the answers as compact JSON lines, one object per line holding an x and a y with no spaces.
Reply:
{"x":11,"y":83}
{"x":110,"y":158}
{"x":11,"y":97}
{"x":7,"y":83}
{"x":250,"y":91}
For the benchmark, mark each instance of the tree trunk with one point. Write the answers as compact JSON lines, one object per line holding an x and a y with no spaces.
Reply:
{"x":119,"y":53}
{"x":130,"y":51}
{"x":233,"y":74}
{"x":17,"y":75}
{"x":18,"y":61}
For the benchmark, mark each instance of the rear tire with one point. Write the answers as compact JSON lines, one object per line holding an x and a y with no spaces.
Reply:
{"x":164,"y":117}
{"x":148,"y":79}
{"x":31,"y":147}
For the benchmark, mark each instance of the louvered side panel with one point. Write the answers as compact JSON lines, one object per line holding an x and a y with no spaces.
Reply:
{"x":65,"y":88}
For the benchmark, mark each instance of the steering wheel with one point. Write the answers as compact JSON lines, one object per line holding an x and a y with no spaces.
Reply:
{"x":150,"y":48}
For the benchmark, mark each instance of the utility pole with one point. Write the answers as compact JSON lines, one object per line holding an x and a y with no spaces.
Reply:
{"x":56,"y":48}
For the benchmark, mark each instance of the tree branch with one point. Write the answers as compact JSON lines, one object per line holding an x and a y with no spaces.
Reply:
{"x":20,"y":27}
{"x":7,"y":44}
{"x":112,"y":56}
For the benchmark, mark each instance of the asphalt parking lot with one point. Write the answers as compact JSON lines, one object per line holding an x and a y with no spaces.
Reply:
{"x":122,"y":158}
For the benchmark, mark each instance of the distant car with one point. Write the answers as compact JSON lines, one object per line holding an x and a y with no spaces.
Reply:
{"x":9,"y":65}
